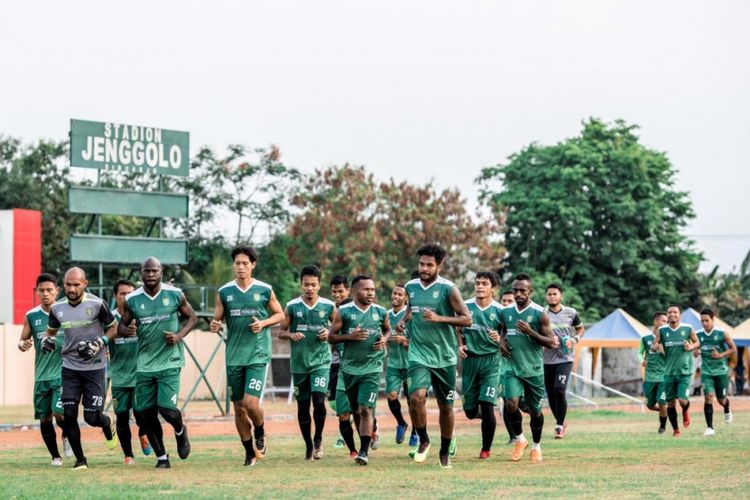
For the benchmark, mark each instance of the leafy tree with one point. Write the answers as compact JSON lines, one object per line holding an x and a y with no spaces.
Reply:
{"x":729,"y":293}
{"x":600,"y":211}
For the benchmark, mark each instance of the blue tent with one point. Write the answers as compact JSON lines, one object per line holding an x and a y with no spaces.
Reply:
{"x":693,"y":318}
{"x":618,"y":329}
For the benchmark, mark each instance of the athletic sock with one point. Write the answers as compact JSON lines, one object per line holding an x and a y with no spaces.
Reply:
{"x":50,"y":438}
{"x":364,"y":444}
{"x":107,"y":427}
{"x":445,"y":443}
{"x":319,"y":415}
{"x":374,"y":424}
{"x":662,"y":422}
{"x":249,"y":450}
{"x":537,"y":425}
{"x":672,"y":414}
{"x":726,"y":407}
{"x":508,"y":426}
{"x":562,"y":408}
{"x":305,"y":428}
{"x":395,"y":406}
{"x":347,"y":433}
{"x":536,"y":446}
{"x":423,"y":437}
{"x":122,"y":421}
{"x":259,"y":431}
{"x":686,"y":407}
{"x":489,"y":424}
{"x":516,"y":422}
{"x":708,"y":411}
{"x":413,"y":431}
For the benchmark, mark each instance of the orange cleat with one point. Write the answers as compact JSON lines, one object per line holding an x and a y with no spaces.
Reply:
{"x":536,"y":456}
{"x":518,"y":448}
{"x":677,"y":433}
{"x":352,"y":455}
{"x":686,"y":419}
{"x":129,"y":461}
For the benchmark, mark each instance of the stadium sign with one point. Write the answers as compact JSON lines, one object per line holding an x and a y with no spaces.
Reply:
{"x":133,"y":148}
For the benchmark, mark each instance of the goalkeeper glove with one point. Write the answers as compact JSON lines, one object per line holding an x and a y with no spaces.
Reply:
{"x":88,"y":349}
{"x":48,"y":344}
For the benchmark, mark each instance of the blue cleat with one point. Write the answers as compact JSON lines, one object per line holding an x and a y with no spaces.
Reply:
{"x":401,"y":433}
{"x":414,"y":440}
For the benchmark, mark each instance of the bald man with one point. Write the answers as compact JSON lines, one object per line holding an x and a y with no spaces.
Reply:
{"x":83,"y":317}
{"x":156,"y":308}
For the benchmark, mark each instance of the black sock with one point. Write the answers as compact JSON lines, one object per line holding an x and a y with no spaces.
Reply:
{"x":150,"y":418}
{"x":374,"y":424}
{"x":61,"y":424}
{"x":139,"y":423}
{"x":708,"y":411}
{"x":423,"y":437}
{"x":489,"y":424}
{"x":508,"y":426}
{"x":319,"y":414}
{"x":259,"y":431}
{"x":413,"y":431}
{"x":303,"y":418}
{"x":445,"y":443}
{"x":50,"y":438}
{"x":686,"y":407}
{"x":73,"y":431}
{"x":726,"y":407}
{"x":672,"y":414}
{"x":122,"y":421}
{"x":345,"y":428}
{"x":249,"y":451}
{"x":662,"y":422}
{"x":395,"y":406}
{"x":562,"y":406}
{"x":364,"y":444}
{"x":537,"y":425}
{"x":516,"y":422}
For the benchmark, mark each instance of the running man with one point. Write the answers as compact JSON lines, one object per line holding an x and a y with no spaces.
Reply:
{"x":527,"y":328}
{"x":398,"y":352}
{"x":506,"y":299}
{"x":558,"y":363}
{"x":363,"y":326}
{"x":716,"y":346}
{"x":123,"y":356}
{"x":156,"y":308}
{"x":83,"y":317}
{"x":479,"y":347}
{"x":677,"y":340}
{"x":305,"y":325}
{"x":435,"y":309}
{"x":653,"y":378}
{"x":249,"y":308}
{"x":47,"y":366}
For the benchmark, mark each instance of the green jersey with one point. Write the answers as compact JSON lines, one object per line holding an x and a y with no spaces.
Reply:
{"x":433,"y":345}
{"x":123,"y":359}
{"x":476,"y":337}
{"x":655,"y":361}
{"x":359,"y":358}
{"x":398,"y":355}
{"x":47,"y":365}
{"x":153,"y":317}
{"x":679,"y":361}
{"x":244,"y":347}
{"x":713,"y":340}
{"x":309,"y":353}
{"x":526,"y":356}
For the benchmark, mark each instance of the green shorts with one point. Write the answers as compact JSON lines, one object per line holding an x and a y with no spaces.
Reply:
{"x":47,"y":398}
{"x":531,"y":389}
{"x":394,"y":379}
{"x":480,"y":379}
{"x":342,"y":402}
{"x":443,"y":381}
{"x":715,"y":384}
{"x":654,"y":393}
{"x":243,"y":380}
{"x":160,"y":388}
{"x":307,"y":383}
{"x":677,"y":386}
{"x":362,"y":389}
{"x":123,"y":398}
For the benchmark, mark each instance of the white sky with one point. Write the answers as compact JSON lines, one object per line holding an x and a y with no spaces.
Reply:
{"x":413,"y":90}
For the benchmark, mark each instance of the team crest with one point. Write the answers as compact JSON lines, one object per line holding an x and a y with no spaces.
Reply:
{"x":165,"y":301}
{"x":376,"y":317}
{"x":89,"y":311}
{"x":256,"y":297}
{"x":492,"y":316}
{"x":230,"y":298}
{"x":299,"y":314}
{"x":435,"y":294}
{"x":322,"y":314}
{"x":528,"y":319}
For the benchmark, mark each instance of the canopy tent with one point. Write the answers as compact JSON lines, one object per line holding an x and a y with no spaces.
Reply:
{"x":618,"y":329}
{"x":693,"y":318}
{"x":741,"y":334}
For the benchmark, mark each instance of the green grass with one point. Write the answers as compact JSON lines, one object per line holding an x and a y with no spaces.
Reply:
{"x":607,"y":452}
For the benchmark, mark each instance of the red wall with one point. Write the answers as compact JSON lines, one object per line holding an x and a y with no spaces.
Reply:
{"x":27,"y":260}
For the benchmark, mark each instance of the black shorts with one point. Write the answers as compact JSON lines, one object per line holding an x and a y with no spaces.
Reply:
{"x":333,"y":378}
{"x":557,"y":376}
{"x":83,"y":386}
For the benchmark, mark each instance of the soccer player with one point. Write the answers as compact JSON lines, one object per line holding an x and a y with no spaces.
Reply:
{"x":677,"y":340}
{"x":123,"y":356}
{"x":716,"y":346}
{"x":83,"y":317}
{"x":435,"y":309}
{"x":249,"y":308}
{"x":363,"y":326}
{"x":653,"y":379}
{"x":395,"y":373}
{"x":506,"y":299}
{"x":479,"y":347}
{"x":337,"y":395}
{"x":47,"y":366}
{"x":558,"y":363}
{"x":527,"y":328}
{"x":156,"y":308}
{"x":305,"y":324}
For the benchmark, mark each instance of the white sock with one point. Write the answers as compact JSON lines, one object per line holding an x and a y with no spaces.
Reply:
{"x":521,"y":437}
{"x":163,"y":457}
{"x":558,"y":427}
{"x":536,"y":446}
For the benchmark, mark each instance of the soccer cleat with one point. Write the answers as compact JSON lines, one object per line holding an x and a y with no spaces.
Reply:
{"x":81,"y":464}
{"x":453,"y":447}
{"x":67,"y":449}
{"x":250,"y":462}
{"x":536,"y":455}
{"x":445,"y":461}
{"x":56,"y":462}
{"x":518,"y":448}
{"x":339,"y":442}
{"x":709,"y":432}
{"x":260,"y":447}
{"x":183,"y":443}
{"x":662,"y":430}
{"x":686,"y":419}
{"x":163,"y":464}
{"x":727,"y":418}
{"x":559,"y":433}
{"x":361,"y":458}
{"x":308,"y":454}
{"x":676,"y":433}
{"x":511,"y":441}
{"x":414,"y":440}
{"x":401,"y":433}
{"x":129,"y":461}
{"x":317,"y":450}
{"x":352,"y":454}
{"x":111,"y":443}
{"x":375,"y":443}
{"x":145,"y":446}
{"x":484,"y":455}
{"x":420,"y":454}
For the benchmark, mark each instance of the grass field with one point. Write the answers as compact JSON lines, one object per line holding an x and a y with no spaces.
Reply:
{"x":607,"y":452}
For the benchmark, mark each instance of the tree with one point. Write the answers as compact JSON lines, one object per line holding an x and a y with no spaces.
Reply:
{"x":728,"y":294}
{"x":349,"y":223}
{"x":600,"y":211}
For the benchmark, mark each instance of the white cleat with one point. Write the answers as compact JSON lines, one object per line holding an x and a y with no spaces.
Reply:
{"x":67,"y":449}
{"x":709,"y":432}
{"x":56,"y":462}
{"x":728,"y":418}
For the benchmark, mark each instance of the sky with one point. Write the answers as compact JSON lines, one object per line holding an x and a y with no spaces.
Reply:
{"x":414,"y":90}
